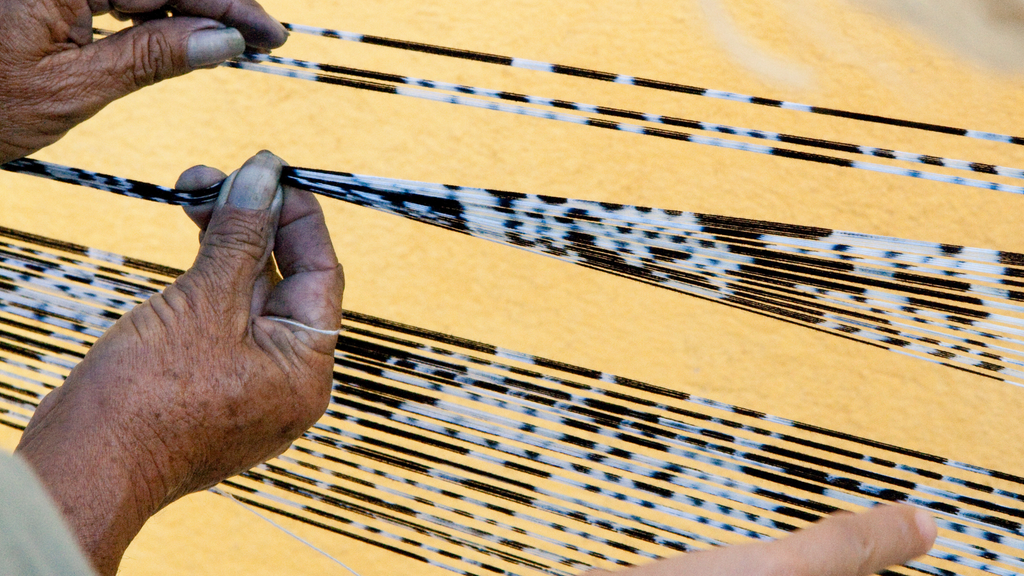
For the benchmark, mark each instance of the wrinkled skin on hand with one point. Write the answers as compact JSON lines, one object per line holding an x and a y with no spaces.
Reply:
{"x":53,"y":76}
{"x":197,"y":384}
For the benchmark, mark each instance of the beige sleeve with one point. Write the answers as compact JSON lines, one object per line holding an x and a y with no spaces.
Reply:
{"x":34,"y":540}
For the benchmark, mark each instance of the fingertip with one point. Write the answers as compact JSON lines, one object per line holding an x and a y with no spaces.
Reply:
{"x":915,"y":530}
{"x":269,"y":34}
{"x":199,"y":177}
{"x":213,"y":46}
{"x":916,"y":521}
{"x":262,"y":31}
{"x":926,"y":527}
{"x":257,"y":185}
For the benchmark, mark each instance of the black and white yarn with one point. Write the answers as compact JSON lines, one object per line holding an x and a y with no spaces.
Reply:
{"x":108,"y":183}
{"x":486,"y":99}
{"x":824,"y":144}
{"x":619,"y":476}
{"x":627,"y":80}
{"x":545,"y":438}
{"x":137,"y":287}
{"x":947,"y":304}
{"x":735,"y":262}
{"x":412,"y":403}
{"x":457,"y":94}
{"x":631,"y":412}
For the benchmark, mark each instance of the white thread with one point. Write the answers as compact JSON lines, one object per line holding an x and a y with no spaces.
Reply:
{"x":303,"y":326}
{"x":216,"y":490}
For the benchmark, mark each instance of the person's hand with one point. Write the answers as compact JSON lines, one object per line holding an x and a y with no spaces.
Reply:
{"x":841,"y":545}
{"x":53,"y":76}
{"x":199,"y":383}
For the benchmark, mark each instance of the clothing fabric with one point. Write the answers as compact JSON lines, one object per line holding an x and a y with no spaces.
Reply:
{"x":34,"y":539}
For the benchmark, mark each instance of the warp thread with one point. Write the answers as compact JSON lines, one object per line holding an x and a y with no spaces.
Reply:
{"x":683,"y":472}
{"x":952,"y":305}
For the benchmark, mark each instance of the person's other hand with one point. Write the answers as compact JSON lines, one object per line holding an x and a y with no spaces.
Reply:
{"x":53,"y":76}
{"x":841,"y":545}
{"x":198,"y":383}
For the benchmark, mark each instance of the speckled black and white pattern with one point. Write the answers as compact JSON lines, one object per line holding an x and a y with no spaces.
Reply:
{"x":952,"y":305}
{"x":932,"y":301}
{"x":627,"y":80}
{"x":410,"y":453}
{"x":460,"y":98}
{"x":463,"y":95}
{"x":485,"y":98}
{"x":107,"y":183}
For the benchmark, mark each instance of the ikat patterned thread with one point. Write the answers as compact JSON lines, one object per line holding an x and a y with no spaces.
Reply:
{"x":666,"y":472}
{"x":591,"y":242}
{"x":614,"y":408}
{"x":627,"y":80}
{"x":851,"y":245}
{"x":602,"y":236}
{"x":331,"y":74}
{"x":136,"y":285}
{"x":108,"y":183}
{"x":463,"y":100}
{"x":421,"y":372}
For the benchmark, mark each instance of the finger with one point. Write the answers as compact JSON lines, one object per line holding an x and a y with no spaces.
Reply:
{"x":239,"y":238}
{"x":841,"y":545}
{"x":313,"y":281}
{"x":99,"y":7}
{"x":199,"y":178}
{"x":134,"y":17}
{"x":149,"y":17}
{"x":247,"y":16}
{"x":861,"y":544}
{"x":115,"y":66}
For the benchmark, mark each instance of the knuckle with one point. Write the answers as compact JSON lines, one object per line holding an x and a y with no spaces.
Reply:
{"x":182,"y":299}
{"x":237,"y":237}
{"x":151,"y":60}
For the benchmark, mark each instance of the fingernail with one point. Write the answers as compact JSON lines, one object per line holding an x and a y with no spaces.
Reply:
{"x":210,"y":47}
{"x":926,"y":525}
{"x":257,"y":182}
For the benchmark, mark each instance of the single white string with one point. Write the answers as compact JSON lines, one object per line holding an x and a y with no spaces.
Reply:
{"x":303,"y":326}
{"x":216,"y":490}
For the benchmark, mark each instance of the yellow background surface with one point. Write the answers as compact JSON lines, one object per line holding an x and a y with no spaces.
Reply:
{"x":435,"y":279}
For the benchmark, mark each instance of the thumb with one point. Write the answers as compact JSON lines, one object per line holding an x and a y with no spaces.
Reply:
{"x":239,"y":239}
{"x":145,"y":54}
